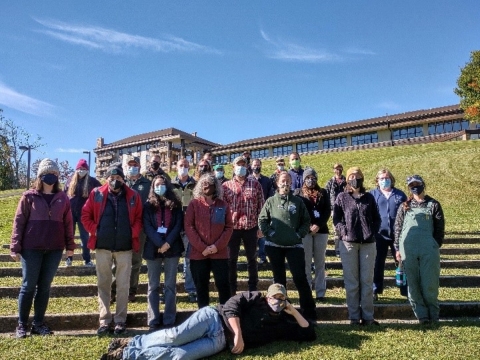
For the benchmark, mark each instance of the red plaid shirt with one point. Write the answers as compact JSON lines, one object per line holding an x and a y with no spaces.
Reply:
{"x":245,"y":201}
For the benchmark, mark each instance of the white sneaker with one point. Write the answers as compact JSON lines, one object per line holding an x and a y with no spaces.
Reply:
{"x":90,"y":264}
{"x":68,"y":262}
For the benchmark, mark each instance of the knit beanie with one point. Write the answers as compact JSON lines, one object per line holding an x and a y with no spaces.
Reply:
{"x":82,"y":163}
{"x":46,"y":166}
{"x":354,"y":170}
{"x":115,"y":169}
{"x":309,"y":172}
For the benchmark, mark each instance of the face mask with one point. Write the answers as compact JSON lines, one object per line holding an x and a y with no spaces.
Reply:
{"x":247,"y":159}
{"x":277,"y":305}
{"x":182,"y":172}
{"x":295,"y":163}
{"x":160,"y":190}
{"x":155,"y":165}
{"x":49,"y":179}
{"x":240,"y":170}
{"x":210,"y":190}
{"x":310,"y":182}
{"x":417,"y":190}
{"x":280,"y":167}
{"x":219,"y":174}
{"x":257,"y":170}
{"x":132,"y":170}
{"x":385,"y":183}
{"x":115,"y":184}
{"x":82,"y":173}
{"x":203,"y":169}
{"x":356,"y":183}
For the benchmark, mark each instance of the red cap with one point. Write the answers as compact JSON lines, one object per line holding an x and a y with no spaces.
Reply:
{"x":82,"y":163}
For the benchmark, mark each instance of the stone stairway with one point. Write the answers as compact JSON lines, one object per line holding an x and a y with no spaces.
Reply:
{"x":326,"y":312}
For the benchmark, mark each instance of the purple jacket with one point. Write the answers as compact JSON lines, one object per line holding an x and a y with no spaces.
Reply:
{"x":39,"y":226}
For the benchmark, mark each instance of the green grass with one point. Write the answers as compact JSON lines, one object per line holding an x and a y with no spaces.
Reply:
{"x":449,"y":340}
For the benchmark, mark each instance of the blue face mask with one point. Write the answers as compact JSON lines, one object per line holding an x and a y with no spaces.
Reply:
{"x":277,"y":305}
{"x":49,"y":179}
{"x":160,"y":190}
{"x":240,"y":170}
{"x":385,"y":183}
{"x":219,"y":174}
{"x":132,"y":170}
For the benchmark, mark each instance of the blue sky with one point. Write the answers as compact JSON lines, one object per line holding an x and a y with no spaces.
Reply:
{"x":73,"y":71}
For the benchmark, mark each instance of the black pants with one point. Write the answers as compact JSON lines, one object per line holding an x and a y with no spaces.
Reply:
{"x":296,"y":262}
{"x":378,"y":274}
{"x":249,"y":238}
{"x":201,"y":277}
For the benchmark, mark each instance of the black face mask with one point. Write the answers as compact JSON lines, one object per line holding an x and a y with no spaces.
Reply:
{"x":310,"y":183}
{"x":115,"y":184}
{"x":155,"y":165}
{"x":356,"y":183}
{"x":203,"y":169}
{"x":257,"y":170}
{"x":417,"y":190}
{"x":49,"y":179}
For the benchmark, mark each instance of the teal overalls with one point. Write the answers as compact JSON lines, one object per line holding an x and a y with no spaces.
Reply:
{"x":421,"y":260}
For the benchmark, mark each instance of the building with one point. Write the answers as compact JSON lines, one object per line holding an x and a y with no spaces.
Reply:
{"x":422,"y":126}
{"x":437,"y":124}
{"x":171,"y":144}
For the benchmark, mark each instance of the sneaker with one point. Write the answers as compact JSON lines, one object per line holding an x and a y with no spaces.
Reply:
{"x":355,"y":322}
{"x":89,"y":264}
{"x":370,"y":322}
{"x":21,"y":331}
{"x":120,"y":328}
{"x":192,"y":297}
{"x":118,"y":343}
{"x":262,"y":261}
{"x":68,"y":262}
{"x":337,"y":254}
{"x":104,"y":330}
{"x":41,"y":329}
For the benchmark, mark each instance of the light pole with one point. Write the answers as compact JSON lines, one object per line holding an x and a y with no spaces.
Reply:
{"x":27,"y":148}
{"x":89,"y":165}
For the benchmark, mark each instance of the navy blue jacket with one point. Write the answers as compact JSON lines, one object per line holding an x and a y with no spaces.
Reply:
{"x":388,"y":211}
{"x":155,"y":240}
{"x":297,"y":178}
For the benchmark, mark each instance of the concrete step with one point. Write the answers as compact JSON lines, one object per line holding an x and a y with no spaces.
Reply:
{"x":324,"y":312}
{"x":333,"y":265}
{"x":86,"y":290}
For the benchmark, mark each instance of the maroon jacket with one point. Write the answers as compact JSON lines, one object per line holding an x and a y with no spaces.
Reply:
{"x":207,"y":225}
{"x":39,"y":226}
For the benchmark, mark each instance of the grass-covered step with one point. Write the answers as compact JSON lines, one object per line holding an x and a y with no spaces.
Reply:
{"x":81,"y":290}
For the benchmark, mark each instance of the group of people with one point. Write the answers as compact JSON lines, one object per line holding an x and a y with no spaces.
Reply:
{"x":207,"y":217}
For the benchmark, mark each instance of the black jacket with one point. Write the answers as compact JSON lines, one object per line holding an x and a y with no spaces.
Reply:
{"x":319,"y":211}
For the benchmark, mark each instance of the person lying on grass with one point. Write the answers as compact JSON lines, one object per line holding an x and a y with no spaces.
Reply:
{"x":246,"y":320}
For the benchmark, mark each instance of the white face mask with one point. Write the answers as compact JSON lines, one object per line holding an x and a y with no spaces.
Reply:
{"x":183,"y":171}
{"x":82,"y":173}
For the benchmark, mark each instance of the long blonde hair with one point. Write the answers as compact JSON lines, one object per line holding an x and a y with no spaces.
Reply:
{"x":73,"y":185}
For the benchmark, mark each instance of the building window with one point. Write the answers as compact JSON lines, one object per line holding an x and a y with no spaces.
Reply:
{"x":307,"y":146}
{"x":366,"y":138}
{"x":234,"y":155}
{"x":120,"y":152}
{"x":337,"y":142}
{"x":282,"y":150}
{"x":447,"y":126}
{"x":407,"y":132}
{"x":260,"y":153}
{"x":139,"y":148}
{"x":221,"y":159}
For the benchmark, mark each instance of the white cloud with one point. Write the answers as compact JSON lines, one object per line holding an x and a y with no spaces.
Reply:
{"x":71,"y":151}
{"x":24,"y":103}
{"x":114,"y":41}
{"x":358,"y":51}
{"x":388,"y":105}
{"x":287,"y":51}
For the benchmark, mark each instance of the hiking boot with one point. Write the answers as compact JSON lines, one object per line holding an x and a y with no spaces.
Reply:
{"x":41,"y":329}
{"x":68,"y":262}
{"x":120,"y":328}
{"x":104,"y":329}
{"x":21,"y":331}
{"x":370,"y":322}
{"x":118,"y":343}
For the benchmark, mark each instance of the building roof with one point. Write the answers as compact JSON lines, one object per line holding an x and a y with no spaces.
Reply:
{"x":404,"y":119}
{"x":159,"y":135}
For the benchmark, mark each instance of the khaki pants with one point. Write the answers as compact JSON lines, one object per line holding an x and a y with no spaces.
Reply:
{"x":123,"y":260}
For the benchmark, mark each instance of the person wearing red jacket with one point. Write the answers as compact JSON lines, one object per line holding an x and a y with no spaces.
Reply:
{"x":112,"y":216}
{"x":208,"y":224}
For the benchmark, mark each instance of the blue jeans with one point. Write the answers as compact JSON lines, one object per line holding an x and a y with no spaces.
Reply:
{"x":261,"y":249}
{"x":38,"y":270}
{"x":201,"y":335}
{"x":187,"y":273}
{"x":83,"y":236}
{"x":170,"y":290}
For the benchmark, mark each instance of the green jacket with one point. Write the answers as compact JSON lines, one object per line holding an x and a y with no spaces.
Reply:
{"x":284,"y":220}
{"x":184,"y":193}
{"x":142,"y":186}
